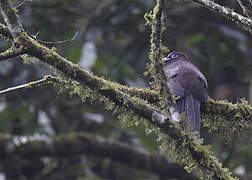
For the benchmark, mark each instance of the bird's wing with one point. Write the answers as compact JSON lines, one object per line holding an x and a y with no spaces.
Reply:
{"x":172,"y":72}
{"x":204,"y":86}
{"x":200,"y":75}
{"x":202,"y":78}
{"x":203,"y":91}
{"x":178,"y":90}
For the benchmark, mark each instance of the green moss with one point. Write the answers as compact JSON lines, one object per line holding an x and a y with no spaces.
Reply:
{"x":231,"y":120}
{"x":148,"y":18}
{"x":72,"y":87}
{"x":27,"y":59}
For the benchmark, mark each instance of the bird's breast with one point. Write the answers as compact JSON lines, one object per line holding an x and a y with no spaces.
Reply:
{"x":171,"y":70}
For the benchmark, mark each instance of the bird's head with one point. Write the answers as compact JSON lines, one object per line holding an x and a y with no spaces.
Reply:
{"x":174,"y":56}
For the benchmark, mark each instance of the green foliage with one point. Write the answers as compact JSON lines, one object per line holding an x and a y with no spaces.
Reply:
{"x":149,"y":141}
{"x":243,"y":155}
{"x":224,"y":48}
{"x":74,"y":54}
{"x":22,"y":117}
{"x":109,"y":67}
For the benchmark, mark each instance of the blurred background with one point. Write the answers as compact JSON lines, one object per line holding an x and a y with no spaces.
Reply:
{"x":113,"y":42}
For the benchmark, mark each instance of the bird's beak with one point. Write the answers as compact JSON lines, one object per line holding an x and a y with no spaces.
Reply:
{"x":165,"y":59}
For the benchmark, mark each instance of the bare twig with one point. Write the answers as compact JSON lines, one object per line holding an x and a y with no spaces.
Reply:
{"x":20,"y":4}
{"x":25,"y":86}
{"x":246,"y":6}
{"x":35,"y":35}
{"x":245,"y":23}
{"x":244,"y":9}
{"x":55,"y":42}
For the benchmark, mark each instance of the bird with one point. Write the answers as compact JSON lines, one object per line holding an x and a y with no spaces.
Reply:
{"x":188,"y":84}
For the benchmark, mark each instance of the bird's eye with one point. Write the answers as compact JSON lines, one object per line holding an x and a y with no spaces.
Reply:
{"x":174,"y":56}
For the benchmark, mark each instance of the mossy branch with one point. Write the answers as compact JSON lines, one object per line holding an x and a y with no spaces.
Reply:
{"x":244,"y":22}
{"x":156,"y":68}
{"x":230,"y":119}
{"x":223,"y":116}
{"x":89,"y":144}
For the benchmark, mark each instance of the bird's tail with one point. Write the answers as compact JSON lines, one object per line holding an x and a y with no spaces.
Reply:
{"x":191,"y":107}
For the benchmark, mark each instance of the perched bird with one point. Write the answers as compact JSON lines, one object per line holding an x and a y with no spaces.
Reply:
{"x":189,"y":84}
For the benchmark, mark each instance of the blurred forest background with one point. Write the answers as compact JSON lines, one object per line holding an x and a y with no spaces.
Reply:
{"x":113,"y":42}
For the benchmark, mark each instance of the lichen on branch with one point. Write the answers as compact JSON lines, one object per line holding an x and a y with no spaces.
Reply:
{"x":156,"y":65}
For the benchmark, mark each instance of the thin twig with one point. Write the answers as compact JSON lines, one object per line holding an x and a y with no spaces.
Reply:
{"x":244,"y":9}
{"x":20,"y":4}
{"x":55,"y":42}
{"x":24,"y":86}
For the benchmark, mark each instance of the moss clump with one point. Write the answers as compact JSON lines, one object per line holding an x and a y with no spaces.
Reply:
{"x":64,"y":84}
{"x":230,"y":120}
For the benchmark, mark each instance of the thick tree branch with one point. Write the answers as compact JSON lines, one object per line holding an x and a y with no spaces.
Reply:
{"x":217,"y":114}
{"x":230,"y":119}
{"x":93,"y":145}
{"x":245,"y":23}
{"x":144,"y":94}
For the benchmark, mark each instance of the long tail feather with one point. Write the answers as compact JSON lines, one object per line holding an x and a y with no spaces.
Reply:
{"x":192,"y":109}
{"x":181,"y":105}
